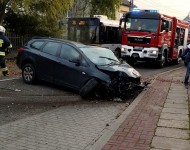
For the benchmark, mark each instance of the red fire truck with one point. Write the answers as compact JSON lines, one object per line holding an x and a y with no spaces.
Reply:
{"x":151,"y":36}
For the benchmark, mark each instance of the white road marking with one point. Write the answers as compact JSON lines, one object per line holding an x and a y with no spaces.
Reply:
{"x":2,"y":80}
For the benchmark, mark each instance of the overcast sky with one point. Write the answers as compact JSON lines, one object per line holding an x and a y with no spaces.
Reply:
{"x":177,"y":8}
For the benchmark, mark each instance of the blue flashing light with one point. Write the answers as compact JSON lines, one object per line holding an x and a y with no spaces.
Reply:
{"x":135,"y":10}
{"x":139,"y":10}
{"x":152,"y":11}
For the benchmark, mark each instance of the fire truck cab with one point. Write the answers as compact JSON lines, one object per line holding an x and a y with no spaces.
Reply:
{"x":150,"y":36}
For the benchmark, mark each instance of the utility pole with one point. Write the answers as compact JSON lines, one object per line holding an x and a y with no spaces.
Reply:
{"x":131,"y":3}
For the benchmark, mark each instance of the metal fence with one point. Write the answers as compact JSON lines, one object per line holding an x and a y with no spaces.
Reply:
{"x":17,"y":41}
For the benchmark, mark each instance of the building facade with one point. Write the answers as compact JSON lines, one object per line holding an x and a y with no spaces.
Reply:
{"x":124,"y":8}
{"x":188,"y":20}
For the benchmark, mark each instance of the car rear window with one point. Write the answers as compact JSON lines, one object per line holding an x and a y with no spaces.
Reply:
{"x":37,"y":44}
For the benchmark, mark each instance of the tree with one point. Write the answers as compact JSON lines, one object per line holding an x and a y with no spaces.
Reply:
{"x":40,"y":8}
{"x":105,"y":7}
{"x":95,"y":7}
{"x":80,"y":8}
{"x":29,"y":25}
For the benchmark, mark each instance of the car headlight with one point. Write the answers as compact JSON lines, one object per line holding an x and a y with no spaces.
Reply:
{"x":135,"y":72}
{"x":122,"y":49}
{"x":153,"y":52}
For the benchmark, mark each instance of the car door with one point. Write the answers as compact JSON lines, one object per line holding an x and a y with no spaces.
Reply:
{"x":48,"y":60}
{"x":34,"y":52}
{"x":71,"y":68}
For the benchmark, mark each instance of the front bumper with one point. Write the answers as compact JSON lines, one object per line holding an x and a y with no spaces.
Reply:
{"x":139,"y":52}
{"x":120,"y":87}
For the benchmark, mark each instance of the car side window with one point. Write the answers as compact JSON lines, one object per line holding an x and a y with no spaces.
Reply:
{"x":37,"y":44}
{"x":68,"y":52}
{"x":51,"y":48}
{"x":84,"y":63}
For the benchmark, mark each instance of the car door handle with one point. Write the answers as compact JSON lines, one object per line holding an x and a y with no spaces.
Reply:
{"x":83,"y":73}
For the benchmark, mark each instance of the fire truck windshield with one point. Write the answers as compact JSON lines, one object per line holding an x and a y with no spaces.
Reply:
{"x":144,"y":25}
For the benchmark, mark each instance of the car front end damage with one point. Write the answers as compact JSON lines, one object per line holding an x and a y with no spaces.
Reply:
{"x":122,"y":81}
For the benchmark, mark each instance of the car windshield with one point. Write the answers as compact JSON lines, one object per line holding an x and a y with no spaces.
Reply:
{"x":100,"y":56}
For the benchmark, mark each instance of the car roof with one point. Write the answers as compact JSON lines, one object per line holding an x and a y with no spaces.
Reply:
{"x":77,"y":44}
{"x":58,"y":39}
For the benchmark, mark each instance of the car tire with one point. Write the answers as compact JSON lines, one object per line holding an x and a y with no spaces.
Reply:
{"x":132,"y":62}
{"x":88,"y":88}
{"x":29,"y":74}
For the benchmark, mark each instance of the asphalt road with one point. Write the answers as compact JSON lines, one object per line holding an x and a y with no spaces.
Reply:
{"x":149,"y":70}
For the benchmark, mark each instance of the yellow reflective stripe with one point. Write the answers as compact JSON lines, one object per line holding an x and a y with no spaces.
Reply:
{"x":2,"y":53}
{"x":10,"y":46}
{"x":5,"y":69}
{"x":1,"y":43}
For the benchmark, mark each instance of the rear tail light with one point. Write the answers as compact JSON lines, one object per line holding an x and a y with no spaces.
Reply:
{"x":20,"y":50}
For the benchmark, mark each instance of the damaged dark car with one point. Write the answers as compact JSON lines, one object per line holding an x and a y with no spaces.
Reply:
{"x":87,"y":69}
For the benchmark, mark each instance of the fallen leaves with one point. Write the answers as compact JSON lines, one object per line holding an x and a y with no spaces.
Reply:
{"x":14,"y":71}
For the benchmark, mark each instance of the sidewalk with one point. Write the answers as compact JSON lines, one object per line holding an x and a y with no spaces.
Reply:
{"x":158,"y":119}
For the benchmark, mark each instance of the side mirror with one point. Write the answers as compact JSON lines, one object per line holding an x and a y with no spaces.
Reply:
{"x":76,"y":61}
{"x":120,"y":22}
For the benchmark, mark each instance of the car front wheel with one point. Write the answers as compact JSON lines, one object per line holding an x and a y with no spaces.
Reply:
{"x":29,"y":74}
{"x":88,"y":88}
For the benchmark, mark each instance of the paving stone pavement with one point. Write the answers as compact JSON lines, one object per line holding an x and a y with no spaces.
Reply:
{"x":173,"y":126}
{"x":64,"y":128}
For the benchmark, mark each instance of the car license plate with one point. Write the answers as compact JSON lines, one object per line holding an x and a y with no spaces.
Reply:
{"x":138,"y":47}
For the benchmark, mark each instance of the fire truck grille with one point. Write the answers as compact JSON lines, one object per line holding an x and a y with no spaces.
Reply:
{"x":139,"y":40}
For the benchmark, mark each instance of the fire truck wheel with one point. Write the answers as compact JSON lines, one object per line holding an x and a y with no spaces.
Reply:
{"x":161,"y":62}
{"x":178,"y":60}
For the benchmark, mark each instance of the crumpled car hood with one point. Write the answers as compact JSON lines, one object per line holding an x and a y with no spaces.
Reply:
{"x":124,"y":68}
